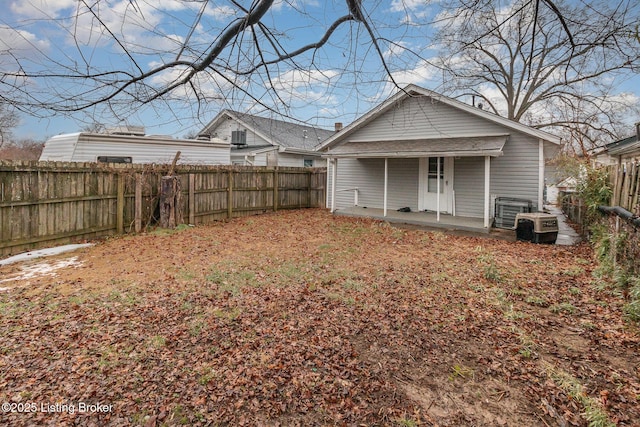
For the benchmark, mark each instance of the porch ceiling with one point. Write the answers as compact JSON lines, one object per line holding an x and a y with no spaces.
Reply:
{"x":424,"y":147}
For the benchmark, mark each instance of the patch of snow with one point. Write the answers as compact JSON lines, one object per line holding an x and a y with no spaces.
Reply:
{"x":42,"y":253}
{"x":41,"y":269}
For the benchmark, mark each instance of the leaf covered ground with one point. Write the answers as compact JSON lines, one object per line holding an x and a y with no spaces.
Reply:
{"x":303,"y":318}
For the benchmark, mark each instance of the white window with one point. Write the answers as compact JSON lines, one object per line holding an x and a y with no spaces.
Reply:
{"x":308,"y":163}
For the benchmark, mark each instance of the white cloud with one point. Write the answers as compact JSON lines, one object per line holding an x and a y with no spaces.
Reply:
{"x":19,"y":40}
{"x":41,"y":9}
{"x":295,"y":79}
{"x":420,"y":74}
{"x":17,"y":46}
{"x":395,"y":49}
{"x":407,"y":5}
{"x":306,"y":86}
{"x":209,"y":86}
{"x":221,"y":13}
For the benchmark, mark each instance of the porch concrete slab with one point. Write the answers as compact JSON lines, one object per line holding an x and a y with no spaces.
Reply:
{"x":459,"y":225}
{"x":425,"y":219}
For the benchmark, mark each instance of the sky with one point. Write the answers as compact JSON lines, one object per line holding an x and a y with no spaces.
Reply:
{"x":57,"y":41}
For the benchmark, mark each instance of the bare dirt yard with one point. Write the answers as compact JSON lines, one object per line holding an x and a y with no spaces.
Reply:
{"x":302,"y":318}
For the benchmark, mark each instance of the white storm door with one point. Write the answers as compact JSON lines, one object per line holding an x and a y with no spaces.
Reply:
{"x":431,"y":171}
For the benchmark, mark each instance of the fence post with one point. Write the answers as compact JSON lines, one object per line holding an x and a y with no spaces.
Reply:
{"x":275,"y":189}
{"x":120,"y":204}
{"x":230,"y":194}
{"x":309,"y":189}
{"x":192,"y":199}
{"x":138,"y":204}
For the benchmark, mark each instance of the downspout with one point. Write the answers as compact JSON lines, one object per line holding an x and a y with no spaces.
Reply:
{"x":540,"y":175}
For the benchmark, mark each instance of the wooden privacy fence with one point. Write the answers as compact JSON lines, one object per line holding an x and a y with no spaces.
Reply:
{"x":48,"y":203}
{"x":625,"y":182}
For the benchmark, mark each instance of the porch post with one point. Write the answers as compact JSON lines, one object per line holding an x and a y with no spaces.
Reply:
{"x":334,"y":177}
{"x":487,"y":193}
{"x":438,"y":190}
{"x":386,"y":180}
{"x":540,"y":175}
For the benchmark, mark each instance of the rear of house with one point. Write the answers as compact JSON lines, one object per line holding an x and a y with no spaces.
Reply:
{"x":425,"y":152}
{"x":134,"y":148}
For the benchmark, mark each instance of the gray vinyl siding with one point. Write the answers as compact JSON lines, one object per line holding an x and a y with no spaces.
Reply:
{"x":293,"y":160}
{"x":468,"y":184}
{"x":423,"y":118}
{"x":223,"y":131}
{"x":403,"y":183}
{"x":368,"y":176}
{"x":515,"y":174}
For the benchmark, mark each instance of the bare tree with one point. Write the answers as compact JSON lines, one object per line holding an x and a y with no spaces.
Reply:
{"x":242,"y":54}
{"x":21,"y":150}
{"x":554,"y":65}
{"x":8,"y":121}
{"x":117,"y":58}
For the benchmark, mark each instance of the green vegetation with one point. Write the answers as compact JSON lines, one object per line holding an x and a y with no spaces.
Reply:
{"x":592,"y":410}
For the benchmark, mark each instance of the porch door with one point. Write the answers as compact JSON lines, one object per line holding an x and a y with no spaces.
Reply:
{"x":428,"y":184}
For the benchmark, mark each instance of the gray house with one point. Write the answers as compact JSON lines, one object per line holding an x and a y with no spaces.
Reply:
{"x":261,"y":141}
{"x":422,"y":152}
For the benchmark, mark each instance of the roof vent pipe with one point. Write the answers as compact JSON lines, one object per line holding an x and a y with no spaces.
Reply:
{"x":338,"y":126}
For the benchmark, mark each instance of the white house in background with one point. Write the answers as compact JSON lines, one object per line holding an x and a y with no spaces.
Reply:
{"x":131,"y":145}
{"x":427,"y":152}
{"x":261,"y":141}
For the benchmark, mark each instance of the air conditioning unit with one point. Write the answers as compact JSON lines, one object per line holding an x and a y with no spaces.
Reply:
{"x":537,"y":227}
{"x":506,"y":209}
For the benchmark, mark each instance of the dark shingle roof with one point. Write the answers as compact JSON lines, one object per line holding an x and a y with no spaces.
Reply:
{"x":280,"y":132}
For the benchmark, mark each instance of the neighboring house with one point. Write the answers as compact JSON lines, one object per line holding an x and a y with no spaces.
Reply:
{"x":426,"y":152}
{"x":627,"y":149}
{"x":260,"y":141}
{"x":131,"y":145}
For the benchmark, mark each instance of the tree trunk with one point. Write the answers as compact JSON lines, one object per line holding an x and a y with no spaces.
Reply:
{"x":170,"y":214}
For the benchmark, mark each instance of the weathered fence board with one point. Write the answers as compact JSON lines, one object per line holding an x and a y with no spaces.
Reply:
{"x":625,"y":182}
{"x":48,"y":203}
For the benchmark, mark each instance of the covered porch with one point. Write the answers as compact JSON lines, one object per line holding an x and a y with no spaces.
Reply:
{"x":423,"y":219}
{"x":426,"y":179}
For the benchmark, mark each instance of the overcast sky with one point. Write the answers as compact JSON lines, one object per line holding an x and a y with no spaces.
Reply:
{"x":338,"y":83}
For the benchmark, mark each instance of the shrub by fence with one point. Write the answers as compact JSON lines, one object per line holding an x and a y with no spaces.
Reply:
{"x":47,"y":203}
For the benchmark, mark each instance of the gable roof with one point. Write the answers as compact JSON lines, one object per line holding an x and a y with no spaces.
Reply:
{"x":277,"y":132}
{"x":414,"y":90}
{"x":630,"y":145}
